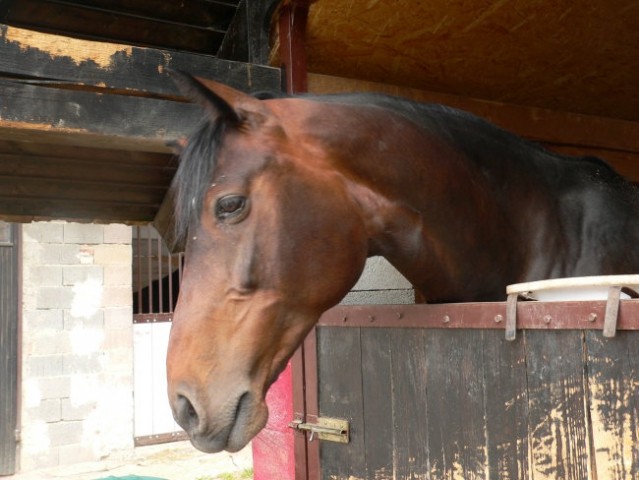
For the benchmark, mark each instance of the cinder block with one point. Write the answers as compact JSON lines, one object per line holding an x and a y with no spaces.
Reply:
{"x":114,"y":254}
{"x":75,"y":412}
{"x":48,"y":410}
{"x":50,"y":343}
{"x":86,"y":255}
{"x":55,"y":387}
{"x":82,"y":364}
{"x":117,"y":297}
{"x":117,"y":233}
{"x":54,"y":297}
{"x":381,"y":275}
{"x":117,"y":275}
{"x":94,"y":321}
{"x":45,"y":276}
{"x":84,"y":234}
{"x":60,"y":254}
{"x":118,"y":317}
{"x":43,"y":365}
{"x":43,"y":232}
{"x":120,"y":338}
{"x":73,"y":274}
{"x":379,"y":297}
{"x":65,"y":433}
{"x":41,"y":320}
{"x":121,"y":363}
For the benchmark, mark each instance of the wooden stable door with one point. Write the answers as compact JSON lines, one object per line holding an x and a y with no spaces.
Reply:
{"x":8,"y":347}
{"x":428,"y":400}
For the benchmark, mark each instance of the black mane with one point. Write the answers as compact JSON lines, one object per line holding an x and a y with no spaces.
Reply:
{"x":197,"y":163}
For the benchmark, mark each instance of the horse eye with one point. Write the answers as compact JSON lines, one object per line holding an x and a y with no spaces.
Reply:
{"x":230,"y":206}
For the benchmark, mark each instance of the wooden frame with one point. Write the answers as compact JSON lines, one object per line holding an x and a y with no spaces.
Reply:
{"x":549,"y":399}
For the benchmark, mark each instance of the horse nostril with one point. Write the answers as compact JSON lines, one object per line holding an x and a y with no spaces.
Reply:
{"x":186,"y":415}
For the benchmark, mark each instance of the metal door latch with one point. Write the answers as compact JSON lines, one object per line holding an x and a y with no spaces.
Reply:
{"x":329,"y":429}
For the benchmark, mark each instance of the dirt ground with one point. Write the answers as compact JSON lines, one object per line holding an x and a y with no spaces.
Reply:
{"x":171,"y":461}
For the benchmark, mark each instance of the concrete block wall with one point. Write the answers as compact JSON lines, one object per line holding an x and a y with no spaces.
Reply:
{"x":380,"y":283}
{"x":77,"y":344}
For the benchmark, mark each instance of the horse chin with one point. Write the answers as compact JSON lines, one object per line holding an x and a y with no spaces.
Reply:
{"x":250,"y":418}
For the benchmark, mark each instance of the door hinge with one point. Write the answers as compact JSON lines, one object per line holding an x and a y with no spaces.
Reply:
{"x":329,"y":429}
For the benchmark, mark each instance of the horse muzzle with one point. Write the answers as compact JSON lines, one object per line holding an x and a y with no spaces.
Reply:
{"x":230,"y":426}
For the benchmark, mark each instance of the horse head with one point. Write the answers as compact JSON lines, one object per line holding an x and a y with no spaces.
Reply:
{"x":272,"y":243}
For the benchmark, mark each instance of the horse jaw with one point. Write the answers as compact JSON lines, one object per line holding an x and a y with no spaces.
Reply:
{"x":223,"y":407}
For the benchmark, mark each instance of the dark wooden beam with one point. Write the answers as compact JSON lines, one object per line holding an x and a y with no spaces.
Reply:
{"x":67,"y":62}
{"x":248,"y":38}
{"x":38,"y":114}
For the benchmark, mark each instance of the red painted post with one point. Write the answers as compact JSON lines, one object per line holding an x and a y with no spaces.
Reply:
{"x":274,"y":448}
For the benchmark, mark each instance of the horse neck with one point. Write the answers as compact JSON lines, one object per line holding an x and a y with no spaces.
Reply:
{"x":427,"y":208}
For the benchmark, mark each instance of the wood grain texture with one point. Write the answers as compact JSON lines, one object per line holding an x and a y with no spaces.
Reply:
{"x":557,"y":429}
{"x":578,"y":58}
{"x":506,"y":404}
{"x":340,"y":359}
{"x":455,"y":385}
{"x":613,"y":380}
{"x":411,"y":404}
{"x":378,"y":395}
{"x":466,"y":404}
{"x":48,"y":58}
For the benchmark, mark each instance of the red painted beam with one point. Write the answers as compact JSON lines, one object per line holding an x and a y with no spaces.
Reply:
{"x":292,"y":34}
{"x":280,"y":453}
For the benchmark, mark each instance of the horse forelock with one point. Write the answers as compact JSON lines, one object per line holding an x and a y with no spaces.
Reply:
{"x":195,"y":170}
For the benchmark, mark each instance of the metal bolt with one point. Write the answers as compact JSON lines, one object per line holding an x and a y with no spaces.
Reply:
{"x":499,"y":318}
{"x":371,"y":318}
{"x":547,"y":319}
{"x":399,"y":315}
{"x":344,"y":318}
{"x":446,"y":319}
{"x":592,"y":317}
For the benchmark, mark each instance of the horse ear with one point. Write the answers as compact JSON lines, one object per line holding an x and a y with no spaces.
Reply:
{"x":213,"y":103}
{"x":219,"y":99}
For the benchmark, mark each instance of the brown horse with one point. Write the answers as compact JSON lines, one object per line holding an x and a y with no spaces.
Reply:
{"x":284,"y":199}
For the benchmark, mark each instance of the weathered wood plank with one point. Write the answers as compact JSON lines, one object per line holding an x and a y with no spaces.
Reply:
{"x":79,"y":191}
{"x":43,"y":56}
{"x":85,"y":170}
{"x":378,"y":397}
{"x":80,"y":20}
{"x":116,"y":158}
{"x":411,"y":414}
{"x":613,"y":380}
{"x":32,"y":113}
{"x":34,"y":209}
{"x":340,"y":375}
{"x":456,"y":429}
{"x":558,"y":429}
{"x":506,"y":403}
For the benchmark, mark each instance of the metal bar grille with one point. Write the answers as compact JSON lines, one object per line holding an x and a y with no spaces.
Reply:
{"x":156,"y":277}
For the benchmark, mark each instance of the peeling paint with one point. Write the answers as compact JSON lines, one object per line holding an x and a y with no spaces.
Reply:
{"x":614,"y":427}
{"x":79,"y":51}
